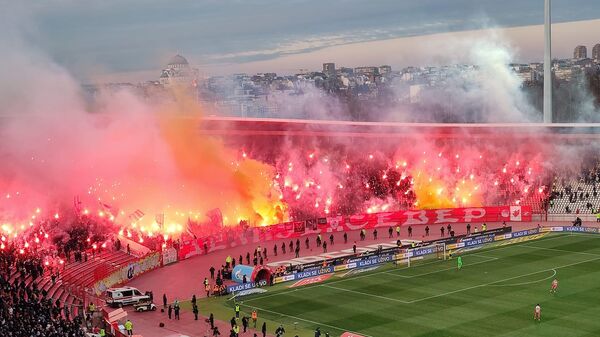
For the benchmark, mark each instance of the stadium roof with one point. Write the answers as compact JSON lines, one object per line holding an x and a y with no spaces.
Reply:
{"x":328,"y":128}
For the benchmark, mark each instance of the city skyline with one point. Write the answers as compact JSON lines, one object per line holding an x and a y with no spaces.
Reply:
{"x":129,"y":40}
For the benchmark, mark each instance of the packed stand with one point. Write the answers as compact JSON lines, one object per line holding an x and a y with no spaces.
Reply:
{"x":25,"y":310}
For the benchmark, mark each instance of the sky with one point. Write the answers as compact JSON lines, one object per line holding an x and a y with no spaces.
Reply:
{"x":134,"y":38}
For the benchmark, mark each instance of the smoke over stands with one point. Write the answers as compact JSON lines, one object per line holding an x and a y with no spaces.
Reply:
{"x":126,"y":166}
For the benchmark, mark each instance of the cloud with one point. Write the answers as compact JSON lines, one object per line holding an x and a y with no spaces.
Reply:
{"x":126,"y":36}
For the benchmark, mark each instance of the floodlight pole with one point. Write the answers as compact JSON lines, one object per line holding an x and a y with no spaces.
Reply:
{"x":547,"y":63}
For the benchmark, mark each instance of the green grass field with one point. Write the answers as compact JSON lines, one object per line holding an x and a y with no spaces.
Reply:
{"x":493,"y":295}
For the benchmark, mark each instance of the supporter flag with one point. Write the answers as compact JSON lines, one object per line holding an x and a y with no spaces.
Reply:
{"x":77,"y":204}
{"x":108,"y":209}
{"x":136,"y":216}
{"x":160,"y":219}
{"x":515,"y":213}
{"x":215,"y":218}
{"x":299,"y":226}
{"x":188,"y":228}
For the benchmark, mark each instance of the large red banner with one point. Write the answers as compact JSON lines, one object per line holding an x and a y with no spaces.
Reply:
{"x":357,"y":222}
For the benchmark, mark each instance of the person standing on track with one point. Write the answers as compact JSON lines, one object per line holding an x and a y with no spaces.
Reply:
{"x":468,"y":228}
{"x":409,"y":231}
{"x":176,"y":309}
{"x":426,"y":230}
{"x":390,"y":232}
{"x":397,"y":231}
{"x":442,"y":231}
{"x":345,"y":237}
{"x":264,"y":329}
{"x":129,"y":328}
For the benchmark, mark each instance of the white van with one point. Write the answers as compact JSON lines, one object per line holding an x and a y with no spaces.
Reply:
{"x":118,"y":297}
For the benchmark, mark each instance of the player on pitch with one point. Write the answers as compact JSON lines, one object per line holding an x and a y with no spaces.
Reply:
{"x":537,"y":313}
{"x":554,"y":286}
{"x":459,"y":262}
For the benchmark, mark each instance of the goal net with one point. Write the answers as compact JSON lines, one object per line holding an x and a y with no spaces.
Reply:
{"x":435,"y":251}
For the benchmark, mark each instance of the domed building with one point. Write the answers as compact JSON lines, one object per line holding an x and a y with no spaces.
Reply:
{"x":179,"y":72}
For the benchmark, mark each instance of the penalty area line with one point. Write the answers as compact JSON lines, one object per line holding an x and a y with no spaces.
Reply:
{"x":394,"y":272}
{"x":525,"y":283}
{"x":365,"y":294}
{"x":500,"y":281}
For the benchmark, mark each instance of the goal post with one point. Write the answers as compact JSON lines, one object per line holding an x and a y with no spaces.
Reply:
{"x":430,"y":252}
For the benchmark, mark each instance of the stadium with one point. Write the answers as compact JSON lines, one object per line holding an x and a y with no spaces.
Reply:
{"x":354,"y":202}
{"x":372,"y":220}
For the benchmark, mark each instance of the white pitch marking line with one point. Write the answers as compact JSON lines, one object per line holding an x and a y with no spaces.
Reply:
{"x":392,"y":272}
{"x":491,"y":249}
{"x":560,"y":250}
{"x":302,"y":319}
{"x":275,"y":294}
{"x":524,"y":283}
{"x":460,"y":290}
{"x":365,"y":294}
{"x":437,"y":261}
{"x":503,"y":280}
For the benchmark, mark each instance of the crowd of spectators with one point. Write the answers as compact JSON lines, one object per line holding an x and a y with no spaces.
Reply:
{"x":26,"y":310}
{"x":579,"y":195}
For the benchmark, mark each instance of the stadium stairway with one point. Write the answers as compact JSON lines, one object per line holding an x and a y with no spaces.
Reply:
{"x":584,"y":195}
{"x":76,"y":276}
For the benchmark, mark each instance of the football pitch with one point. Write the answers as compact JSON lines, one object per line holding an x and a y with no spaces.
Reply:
{"x":493,"y":295}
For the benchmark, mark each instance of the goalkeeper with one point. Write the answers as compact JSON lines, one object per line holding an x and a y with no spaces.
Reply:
{"x":459,"y":262}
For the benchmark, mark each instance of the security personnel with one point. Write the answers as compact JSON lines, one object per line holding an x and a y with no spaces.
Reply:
{"x":129,"y":328}
{"x":237,"y":310}
{"x":236,"y":330}
{"x":102,"y":333}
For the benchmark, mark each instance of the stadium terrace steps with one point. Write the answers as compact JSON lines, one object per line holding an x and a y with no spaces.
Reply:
{"x":579,"y":188}
{"x":79,"y":274}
